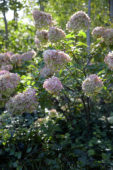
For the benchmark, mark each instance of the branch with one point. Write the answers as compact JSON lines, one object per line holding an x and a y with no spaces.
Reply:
{"x":6,"y":28}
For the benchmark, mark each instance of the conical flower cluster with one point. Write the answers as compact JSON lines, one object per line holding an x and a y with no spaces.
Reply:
{"x":98,"y":32}
{"x":19,"y":59}
{"x":46,"y":72}
{"x":55,"y":59}
{"x":55,"y":34}
{"x":42,"y":36}
{"x":92,"y":85}
{"x":42,"y":19}
{"x":53,"y":85}
{"x":109,"y":60}
{"x":23,"y":102}
{"x":5,"y":63}
{"x":8,"y":83}
{"x":105,"y":33}
{"x":79,"y":20}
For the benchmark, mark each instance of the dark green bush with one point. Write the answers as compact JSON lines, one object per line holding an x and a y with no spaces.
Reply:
{"x":29,"y":142}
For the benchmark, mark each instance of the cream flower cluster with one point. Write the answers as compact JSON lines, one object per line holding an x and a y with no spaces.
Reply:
{"x":108,"y":36}
{"x":6,"y":67}
{"x":42,"y":36}
{"x":19,"y":59}
{"x":42,"y":19}
{"x":28,"y":56}
{"x":3,"y":99}
{"x":79,"y":20}
{"x":8,"y":82}
{"x":45,"y":72}
{"x":53,"y":85}
{"x":54,"y":59}
{"x":37,"y":42}
{"x":2,"y":72}
{"x":5,"y":61}
{"x":16,"y":59}
{"x":8,"y":60}
{"x":105,"y":33}
{"x":98,"y":31}
{"x":92,"y":85}
{"x":55,"y":34}
{"x":23,"y":102}
{"x":109,"y":60}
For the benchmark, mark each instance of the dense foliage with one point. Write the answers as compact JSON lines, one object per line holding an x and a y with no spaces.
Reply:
{"x":56,"y":108}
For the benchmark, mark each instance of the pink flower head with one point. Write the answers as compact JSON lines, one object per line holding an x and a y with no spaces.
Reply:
{"x":53,"y":85}
{"x":92,"y":85}
{"x":42,"y":19}
{"x":37,"y":42}
{"x":6,"y":67}
{"x":8,"y":82}
{"x":19,"y":59}
{"x":79,"y":20}
{"x":45,"y":72}
{"x":28,"y":56}
{"x":109,"y":60}
{"x":55,"y":34}
{"x":3,"y":72}
{"x":98,"y":31}
{"x":108,"y":36}
{"x":9,"y":53}
{"x":15,"y":59}
{"x":55,"y":59}
{"x":42,"y":36}
{"x":4,"y":59}
{"x":23,"y":102}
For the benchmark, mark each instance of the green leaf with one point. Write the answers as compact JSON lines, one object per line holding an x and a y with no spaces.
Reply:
{"x":29,"y":149}
{"x":81,"y":44}
{"x":91,"y":152}
{"x":82,"y":34}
